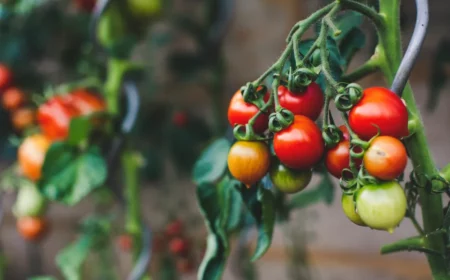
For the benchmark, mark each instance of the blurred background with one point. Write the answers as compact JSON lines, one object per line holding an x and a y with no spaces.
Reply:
{"x":184,"y":106}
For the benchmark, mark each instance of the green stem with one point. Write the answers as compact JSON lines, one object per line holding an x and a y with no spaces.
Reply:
{"x":369,"y":67}
{"x":133,"y":224}
{"x":418,"y":244}
{"x":365,"y":10}
{"x":390,"y":52}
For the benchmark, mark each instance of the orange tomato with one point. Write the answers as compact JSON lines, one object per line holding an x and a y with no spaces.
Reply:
{"x":31,"y":155}
{"x":31,"y":228}
{"x":13,"y":98}
{"x":23,"y":118}
{"x":386,"y":158}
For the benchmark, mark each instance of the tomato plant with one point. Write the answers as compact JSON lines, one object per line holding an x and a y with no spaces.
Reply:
{"x":240,"y":112}
{"x":23,"y":118}
{"x":308,"y":103}
{"x":32,"y":228}
{"x":349,"y":208}
{"x":289,"y":180}
{"x":13,"y":98}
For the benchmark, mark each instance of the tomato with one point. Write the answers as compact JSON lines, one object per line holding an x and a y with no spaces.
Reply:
{"x":125,"y":242}
{"x":178,"y":246}
{"x":29,"y":202}
{"x":240,"y":112}
{"x":249,"y":161}
{"x":180,"y":119}
{"x":85,"y":102}
{"x":174,"y":229}
{"x":31,"y":228}
{"x":13,"y":98}
{"x":5,"y":76}
{"x":54,"y":118}
{"x":379,"y":108}
{"x":184,"y":265}
{"x":23,"y":118}
{"x":85,"y":5}
{"x":386,"y":158}
{"x":288,"y":180}
{"x":308,"y":103}
{"x":300,"y":146}
{"x":348,"y":205}
{"x":381,"y":206}
{"x":345,"y":133}
{"x":338,"y":158}
{"x":145,"y":8}
{"x":31,"y":155}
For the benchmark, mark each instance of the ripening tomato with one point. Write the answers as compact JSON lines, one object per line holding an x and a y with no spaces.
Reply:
{"x":13,"y":98}
{"x":300,"y":146}
{"x":29,"y":202}
{"x":5,"y":76}
{"x":178,"y":246}
{"x":386,"y":158}
{"x":348,"y":205}
{"x":379,"y":108}
{"x":125,"y":242}
{"x":240,"y":112}
{"x":174,"y":228}
{"x":289,"y":180}
{"x":145,"y":8}
{"x":249,"y":161}
{"x":31,"y":155}
{"x":308,"y":103}
{"x":85,"y":5}
{"x":23,"y":118}
{"x":381,"y":206}
{"x":345,"y":133}
{"x":31,"y":228}
{"x":54,"y":118}
{"x":338,"y":158}
{"x":85,"y":102}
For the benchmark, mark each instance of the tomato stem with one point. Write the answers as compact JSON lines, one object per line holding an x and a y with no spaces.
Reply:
{"x":369,"y":67}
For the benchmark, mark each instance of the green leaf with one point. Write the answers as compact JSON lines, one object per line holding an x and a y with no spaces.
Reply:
{"x":69,"y":175}
{"x":71,"y":259}
{"x":212,"y":164}
{"x":213,"y":263}
{"x":353,"y":41}
{"x":79,"y":130}
{"x":438,"y":78}
{"x":446,"y":223}
{"x":346,"y":22}
{"x":232,"y":205}
{"x":261,"y":204}
{"x":324,"y":191}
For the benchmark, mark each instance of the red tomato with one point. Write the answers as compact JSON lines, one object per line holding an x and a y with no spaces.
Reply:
{"x":31,"y":155}
{"x":31,"y":228}
{"x":178,"y":246}
{"x":175,"y":228}
{"x":13,"y":98}
{"x":85,"y":102}
{"x":300,"y":146}
{"x":240,"y":112}
{"x":379,"y":108}
{"x":345,"y":133}
{"x":125,"y":242}
{"x":5,"y":76}
{"x":308,"y":103}
{"x":386,"y":158}
{"x":54,"y":118}
{"x":85,"y":5}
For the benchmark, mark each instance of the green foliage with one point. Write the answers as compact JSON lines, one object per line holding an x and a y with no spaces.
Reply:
{"x":79,"y":130}
{"x":438,"y":77}
{"x":69,"y":175}
{"x":212,"y":163}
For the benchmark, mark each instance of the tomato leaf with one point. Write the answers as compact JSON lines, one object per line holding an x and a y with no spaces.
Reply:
{"x":438,"y":78}
{"x":213,"y":263}
{"x":79,"y":130}
{"x":351,"y":43}
{"x":261,"y":204}
{"x":69,"y":175}
{"x":212,"y":164}
{"x":446,"y":223}
{"x":71,"y":259}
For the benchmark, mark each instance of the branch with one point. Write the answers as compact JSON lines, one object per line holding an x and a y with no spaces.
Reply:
{"x":417,"y":243}
{"x":369,"y":67}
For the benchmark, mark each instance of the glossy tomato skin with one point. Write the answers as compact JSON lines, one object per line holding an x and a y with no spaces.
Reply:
{"x":381,"y":206}
{"x":308,"y":103}
{"x":299,"y":146}
{"x":338,"y":158}
{"x":23,"y":118}
{"x":31,"y":155}
{"x":54,"y":118}
{"x":31,"y":228}
{"x":240,"y":112}
{"x":85,"y":102}
{"x":5,"y":76}
{"x":249,"y":161}
{"x":379,"y":108}
{"x":386,"y":158}
{"x":288,"y":180}
{"x":345,"y":133}
{"x":13,"y":98}
{"x":349,"y":208}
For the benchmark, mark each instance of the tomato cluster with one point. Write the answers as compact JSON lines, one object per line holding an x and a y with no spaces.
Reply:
{"x":298,"y":147}
{"x":368,"y":155}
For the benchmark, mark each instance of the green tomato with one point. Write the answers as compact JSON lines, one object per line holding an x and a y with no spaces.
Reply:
{"x":348,"y":205}
{"x":381,"y":206}
{"x":111,"y":27}
{"x":145,"y":8}
{"x":29,"y":202}
{"x":289,"y":180}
